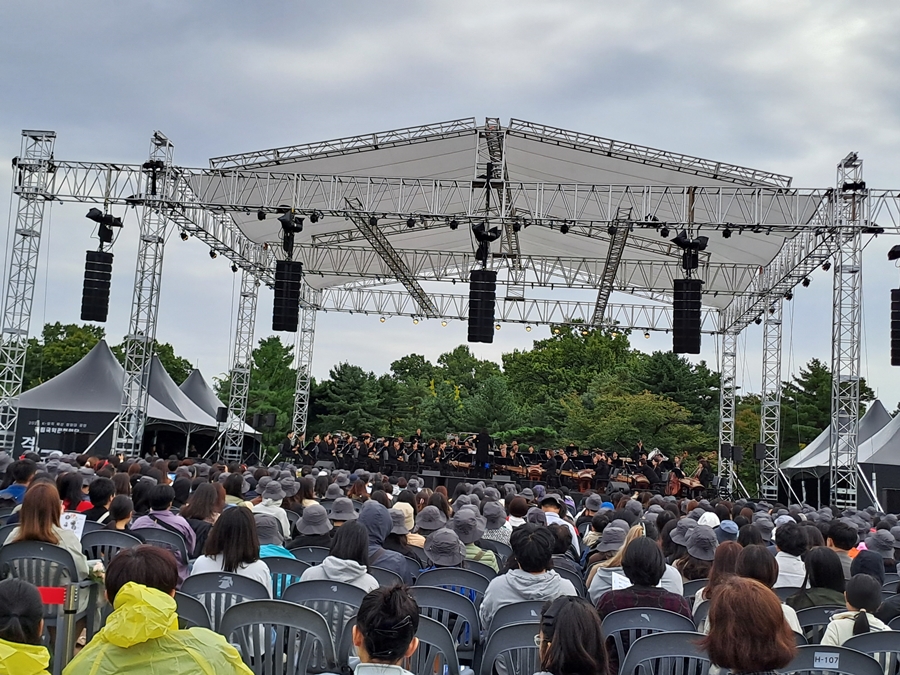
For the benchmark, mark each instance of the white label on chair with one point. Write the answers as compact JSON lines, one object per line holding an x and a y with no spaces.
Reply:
{"x":620,"y":581}
{"x":73,"y":521}
{"x":826,"y":660}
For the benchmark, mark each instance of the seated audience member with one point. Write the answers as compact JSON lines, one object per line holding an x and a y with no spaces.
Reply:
{"x":377,"y":521}
{"x":347,"y":560}
{"x":141,"y":635}
{"x":598,"y":522}
{"x":643,"y":564}
{"x":314,"y":528}
{"x":560,"y":549}
{"x":385,"y":631}
{"x":496,"y":528}
{"x":444,"y":549}
{"x":724,"y":564}
{"x":749,"y":535}
{"x":430,"y":519}
{"x":863,"y":597}
{"x":70,"y":490}
{"x":272,"y":497}
{"x":121,"y":509}
{"x":22,"y":473}
{"x":469,"y":526}
{"x":233,"y":546}
{"x":842,"y":539}
{"x":396,"y":540}
{"x":882,"y":542}
{"x":39,"y":521}
{"x":700,"y":550}
{"x":747,"y":632}
{"x":554,"y":507}
{"x":342,"y":511}
{"x":409,"y":522}
{"x":868,"y":562}
{"x":535,"y":579}
{"x":518,"y":509}
{"x":755,"y":562}
{"x":271,"y":541}
{"x":201,"y":512}
{"x":571,"y":642}
{"x":791,"y":544}
{"x":100,"y":493}
{"x":824,"y":581}
{"x":161,"y":517}
{"x":235,"y":486}
{"x":21,"y":626}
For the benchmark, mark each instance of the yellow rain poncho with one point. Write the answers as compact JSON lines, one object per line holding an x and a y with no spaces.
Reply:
{"x":18,"y":659}
{"x":141,"y":637}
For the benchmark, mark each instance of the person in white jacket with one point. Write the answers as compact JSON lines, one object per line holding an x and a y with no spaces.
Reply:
{"x":347,"y":560}
{"x":272,"y":496}
{"x":863,"y":594}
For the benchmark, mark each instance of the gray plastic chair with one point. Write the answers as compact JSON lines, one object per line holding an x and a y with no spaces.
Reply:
{"x":518,"y":612}
{"x":786,"y":592}
{"x":500,"y":549}
{"x":172,"y":541}
{"x":284,"y":571}
{"x":576,"y":580}
{"x":437,"y":650}
{"x":6,"y":530}
{"x":691,"y":588}
{"x":274,"y":636}
{"x":385,"y":577}
{"x":891,"y":586}
{"x":810,"y":659}
{"x":191,"y":612}
{"x":514,"y":647}
{"x":666,"y":654}
{"x":419,"y":554}
{"x":105,"y":544}
{"x":480,"y":568}
{"x":334,"y":600}
{"x":700,"y":614}
{"x":895,"y":623}
{"x":218,"y":591}
{"x":310,"y":554}
{"x":453,"y":611}
{"x":814,"y":621}
{"x":468,"y":583}
{"x":883,"y":646}
{"x":92,"y":526}
{"x":625,"y":626}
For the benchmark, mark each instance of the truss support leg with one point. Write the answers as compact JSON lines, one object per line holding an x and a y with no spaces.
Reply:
{"x":303,"y":356}
{"x":728,"y":370}
{"x":850,"y":213}
{"x":33,"y":169}
{"x":240,"y":367}
{"x":139,"y":342}
{"x":770,"y":412}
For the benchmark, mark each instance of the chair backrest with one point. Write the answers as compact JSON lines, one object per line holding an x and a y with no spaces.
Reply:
{"x":6,"y":530}
{"x":327,"y":504}
{"x":385,"y":577}
{"x":334,"y":600}
{"x":583,"y":528}
{"x":883,"y":646}
{"x":513,"y":646}
{"x":700,"y":614}
{"x":92,"y":526}
{"x":174,"y":542}
{"x":895,"y":623}
{"x":814,"y":621}
{"x":785,"y":592}
{"x":800,"y":639}
{"x":666,"y":653}
{"x":105,"y":544}
{"x":437,"y":650}
{"x":576,"y":579}
{"x":454,"y":611}
{"x":284,"y":571}
{"x":38,"y":563}
{"x":275,"y":636}
{"x":692,"y":587}
{"x":528,"y":611}
{"x":191,"y":612}
{"x":891,"y":576}
{"x":625,"y":626}
{"x":480,"y":568}
{"x":310,"y":554}
{"x":292,"y":516}
{"x":829,"y":659}
{"x":220,"y":590}
{"x":419,"y":554}
{"x":462,"y":581}
{"x":891,"y":586}
{"x":498,"y":547}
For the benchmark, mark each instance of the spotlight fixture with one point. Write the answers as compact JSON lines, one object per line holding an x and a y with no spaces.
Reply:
{"x":690,"y":258}
{"x":290,"y":225}
{"x":213,"y":254}
{"x":646,"y":335}
{"x":757,"y":320}
{"x":316,"y":216}
{"x":527,"y":329}
{"x":611,"y":230}
{"x":234,"y":267}
{"x":410,"y":223}
{"x":789,"y":295}
{"x":517,"y":226}
{"x":484,"y":237}
{"x":805,"y":282}
{"x":556,"y":331}
{"x":497,"y":326}
{"x":664,"y":232}
{"x":184,"y":236}
{"x":260,"y":215}
{"x":564,"y":228}
{"x":454,"y":224}
{"x":585,"y":333}
{"x":444,"y":324}
{"x":106,"y":221}
{"x":415,"y":322}
{"x":726,"y":233}
{"x":894,"y":253}
{"x":373,"y":221}
{"x":826,"y":265}
{"x":381,"y":319}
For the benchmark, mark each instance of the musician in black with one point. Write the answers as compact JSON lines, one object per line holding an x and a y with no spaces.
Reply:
{"x":602,"y":469}
{"x":289,"y":447}
{"x":551,"y":468}
{"x":706,"y":475}
{"x":638,"y":452}
{"x":649,"y":471}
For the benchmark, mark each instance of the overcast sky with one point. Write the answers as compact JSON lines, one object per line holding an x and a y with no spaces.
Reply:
{"x":785,"y":87}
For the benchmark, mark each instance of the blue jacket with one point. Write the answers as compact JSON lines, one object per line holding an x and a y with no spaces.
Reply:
{"x":376,"y":519}
{"x":14,"y":493}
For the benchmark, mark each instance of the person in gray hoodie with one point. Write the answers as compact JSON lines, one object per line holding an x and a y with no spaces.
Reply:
{"x":535,"y":579}
{"x":347,"y":560}
{"x":377,"y":521}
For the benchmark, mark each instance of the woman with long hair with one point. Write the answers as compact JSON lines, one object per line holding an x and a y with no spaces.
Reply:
{"x":201,"y":512}
{"x":39,"y":521}
{"x":824,"y":584}
{"x":122,"y":483}
{"x":440,"y":501}
{"x":571,"y":642}
{"x":723,"y":566}
{"x":69,"y":487}
{"x":358,"y":491}
{"x":233,"y":546}
{"x":306,"y":493}
{"x":755,"y":562}
{"x":347,"y":560}
{"x":747,"y":630}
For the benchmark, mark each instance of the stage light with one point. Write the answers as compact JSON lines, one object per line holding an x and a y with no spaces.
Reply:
{"x":234,"y":267}
{"x":805,"y":282}
{"x":454,"y":224}
{"x":826,"y":265}
{"x":260,"y":215}
{"x":106,"y":221}
{"x":95,"y":214}
{"x":213,"y":254}
{"x":444,"y":324}
{"x":726,"y":233}
{"x":497,"y":326}
{"x":646,"y":335}
{"x":415,"y":322}
{"x":527,"y":329}
{"x":517,"y":226}
{"x":611,"y":230}
{"x":381,"y":319}
{"x":564,"y":228}
{"x":373,"y":221}
{"x":484,"y":237}
{"x":757,"y":320}
{"x":315,"y":216}
{"x":789,"y":295}
{"x":664,"y":232}
{"x":585,"y":333}
{"x":894,"y":253}
{"x":184,"y":236}
{"x":556,"y":331}
{"x":410,"y":223}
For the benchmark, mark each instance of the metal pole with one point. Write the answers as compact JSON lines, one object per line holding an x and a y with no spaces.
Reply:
{"x":241,"y":367}
{"x":728,"y":370}
{"x":770,"y":409}
{"x":303,"y":355}
{"x":33,"y":168}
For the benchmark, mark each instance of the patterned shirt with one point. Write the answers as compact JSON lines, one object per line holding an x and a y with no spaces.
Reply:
{"x":637,"y":596}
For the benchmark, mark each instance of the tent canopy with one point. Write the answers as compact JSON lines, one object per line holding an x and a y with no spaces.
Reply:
{"x":198,"y":390}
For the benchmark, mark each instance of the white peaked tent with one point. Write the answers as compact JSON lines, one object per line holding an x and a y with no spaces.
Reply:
{"x":198,"y":390}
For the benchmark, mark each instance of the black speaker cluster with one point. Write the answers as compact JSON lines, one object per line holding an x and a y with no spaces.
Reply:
{"x":286,"y":310}
{"x":482,"y":299}
{"x":686,"y":316}
{"x":95,"y":294}
{"x":895,"y":326}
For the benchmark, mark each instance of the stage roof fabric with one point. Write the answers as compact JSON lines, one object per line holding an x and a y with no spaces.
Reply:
{"x":196,"y":388}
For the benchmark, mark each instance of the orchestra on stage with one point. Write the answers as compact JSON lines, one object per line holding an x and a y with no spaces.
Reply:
{"x":476,"y":455}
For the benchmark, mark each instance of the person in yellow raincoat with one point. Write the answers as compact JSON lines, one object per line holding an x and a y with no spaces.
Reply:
{"x":141,"y":636}
{"x":21,"y":625}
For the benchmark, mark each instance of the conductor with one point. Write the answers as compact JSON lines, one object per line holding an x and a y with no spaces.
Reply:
{"x":483,"y":445}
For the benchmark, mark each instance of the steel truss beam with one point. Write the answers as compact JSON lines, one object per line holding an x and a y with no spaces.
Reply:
{"x":33,"y":168}
{"x":770,"y":412}
{"x":619,"y":237}
{"x":727,"y":408}
{"x":850,"y":212}
{"x":303,"y":356}
{"x":129,"y":429}
{"x":242,"y":364}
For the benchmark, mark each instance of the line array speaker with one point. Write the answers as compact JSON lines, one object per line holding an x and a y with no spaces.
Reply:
{"x":895,"y":326}
{"x":286,"y":310}
{"x":95,"y":294}
{"x":686,"y":316}
{"x":482,"y":298}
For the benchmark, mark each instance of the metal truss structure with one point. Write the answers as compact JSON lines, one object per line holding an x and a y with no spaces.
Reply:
{"x":770,"y":401}
{"x":242,"y":362}
{"x":851,"y":202}
{"x":33,"y":168}
{"x":303,"y":355}
{"x":141,"y":337}
{"x":728,"y":346}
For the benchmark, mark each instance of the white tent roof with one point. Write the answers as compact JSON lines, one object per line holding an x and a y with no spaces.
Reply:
{"x":196,"y":388}
{"x":163,"y":388}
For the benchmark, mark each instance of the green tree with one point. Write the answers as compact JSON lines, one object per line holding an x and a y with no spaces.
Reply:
{"x":493,"y":408}
{"x":177,"y":367}
{"x":60,"y":346}
{"x":352,"y":400}
{"x":461,"y":367}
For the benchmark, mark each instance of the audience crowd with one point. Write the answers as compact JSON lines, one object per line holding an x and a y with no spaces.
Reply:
{"x":583,"y":556}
